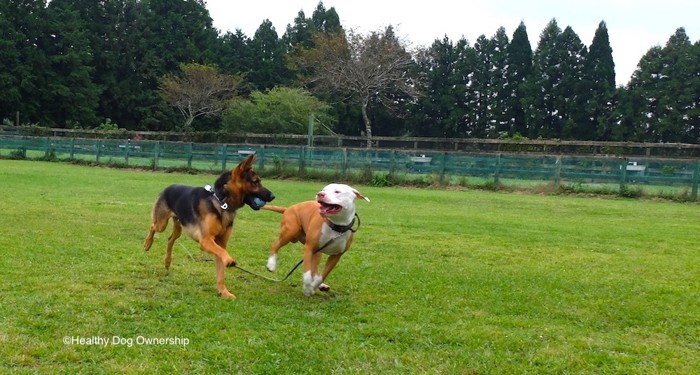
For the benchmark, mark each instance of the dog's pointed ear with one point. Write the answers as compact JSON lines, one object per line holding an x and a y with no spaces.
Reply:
{"x":245,"y":165}
{"x":358,"y":195}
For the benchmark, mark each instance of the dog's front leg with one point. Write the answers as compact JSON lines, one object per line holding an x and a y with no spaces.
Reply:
{"x":220,"y":278}
{"x":311,"y":279}
{"x":222,"y":259}
{"x":210,"y":246}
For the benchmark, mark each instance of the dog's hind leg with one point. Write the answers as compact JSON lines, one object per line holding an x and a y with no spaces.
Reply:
{"x":177,"y":231}
{"x":160,"y":216}
{"x":149,"y":239}
{"x":330,"y":264}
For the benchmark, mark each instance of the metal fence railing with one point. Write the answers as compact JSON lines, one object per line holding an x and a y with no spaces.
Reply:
{"x":667,"y":176}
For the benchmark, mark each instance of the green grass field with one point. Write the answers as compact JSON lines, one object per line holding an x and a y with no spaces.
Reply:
{"x":437,"y":282}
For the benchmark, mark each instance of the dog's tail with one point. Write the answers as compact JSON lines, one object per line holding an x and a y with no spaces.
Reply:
{"x":277,"y":209}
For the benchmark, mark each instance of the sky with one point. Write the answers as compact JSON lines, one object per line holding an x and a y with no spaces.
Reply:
{"x":634,"y":26}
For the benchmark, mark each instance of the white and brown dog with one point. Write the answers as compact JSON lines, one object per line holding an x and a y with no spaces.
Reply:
{"x":324,"y":225}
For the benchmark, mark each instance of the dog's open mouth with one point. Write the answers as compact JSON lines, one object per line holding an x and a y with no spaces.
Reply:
{"x":329,"y":209}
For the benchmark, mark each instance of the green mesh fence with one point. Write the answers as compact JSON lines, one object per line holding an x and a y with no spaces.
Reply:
{"x":651,"y":175}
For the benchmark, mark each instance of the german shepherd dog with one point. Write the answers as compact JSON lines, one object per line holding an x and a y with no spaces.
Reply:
{"x":207,"y":215}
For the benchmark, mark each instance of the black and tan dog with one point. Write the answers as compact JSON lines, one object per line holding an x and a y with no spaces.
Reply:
{"x":207,"y":215}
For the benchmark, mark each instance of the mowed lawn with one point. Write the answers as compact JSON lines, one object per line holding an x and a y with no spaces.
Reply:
{"x":437,"y":282}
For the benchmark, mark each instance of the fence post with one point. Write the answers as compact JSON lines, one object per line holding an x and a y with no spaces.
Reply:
{"x":496,"y":175}
{"x":694,"y":190}
{"x":98,"y":149}
{"x":261,"y":158}
{"x":443,"y":169}
{"x":623,"y":174}
{"x":72,"y":148}
{"x":189,"y":156}
{"x":344,"y":161}
{"x":302,"y":160}
{"x":156,"y":155}
{"x":224,"y":157}
{"x":126,"y":151}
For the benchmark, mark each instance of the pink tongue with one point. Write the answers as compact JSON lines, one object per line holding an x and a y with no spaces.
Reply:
{"x":325,"y":210}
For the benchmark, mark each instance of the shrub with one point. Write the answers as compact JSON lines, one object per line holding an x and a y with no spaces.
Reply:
{"x":19,"y":154}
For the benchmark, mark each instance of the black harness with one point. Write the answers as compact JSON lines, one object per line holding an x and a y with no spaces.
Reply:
{"x":224,"y":205}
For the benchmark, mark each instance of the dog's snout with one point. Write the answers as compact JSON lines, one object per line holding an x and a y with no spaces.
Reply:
{"x":321,"y":194}
{"x":272,"y":197}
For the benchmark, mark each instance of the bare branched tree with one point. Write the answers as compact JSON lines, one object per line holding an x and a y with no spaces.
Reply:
{"x":368,"y":68}
{"x":199,"y":90}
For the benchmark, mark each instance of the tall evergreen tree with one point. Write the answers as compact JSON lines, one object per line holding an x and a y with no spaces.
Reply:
{"x":11,"y":60}
{"x":693,"y":101}
{"x":599,"y":86}
{"x":444,"y":110}
{"x":24,"y":63}
{"x":325,"y":20}
{"x":490,"y":86}
{"x":664,"y":91}
{"x":71,"y":96}
{"x":300,"y":34}
{"x":268,"y":53}
{"x":519,"y":70}
{"x":680,"y":89}
{"x":481,"y":89}
{"x":432,"y":117}
{"x":234,"y":54}
{"x":462,"y":77}
{"x":644,"y":91}
{"x":539,"y":102}
{"x":569,"y":94}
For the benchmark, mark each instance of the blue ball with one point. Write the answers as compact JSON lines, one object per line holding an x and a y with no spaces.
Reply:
{"x":259,"y":202}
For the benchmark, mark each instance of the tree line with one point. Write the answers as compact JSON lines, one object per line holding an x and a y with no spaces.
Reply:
{"x":125,"y":63}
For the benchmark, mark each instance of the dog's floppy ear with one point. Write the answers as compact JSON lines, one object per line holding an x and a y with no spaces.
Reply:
{"x":359,"y":196}
{"x":245,"y":165}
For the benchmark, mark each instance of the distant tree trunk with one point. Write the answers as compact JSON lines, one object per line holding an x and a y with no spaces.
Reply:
{"x":368,"y":125}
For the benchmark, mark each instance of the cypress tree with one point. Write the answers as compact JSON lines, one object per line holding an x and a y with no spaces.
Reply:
{"x":569,"y":93}
{"x":599,"y":80}
{"x":71,"y":96}
{"x":268,"y":55}
{"x":539,"y":102}
{"x":519,"y":70}
{"x":664,"y":91}
{"x":24,"y":67}
{"x":502,"y":111}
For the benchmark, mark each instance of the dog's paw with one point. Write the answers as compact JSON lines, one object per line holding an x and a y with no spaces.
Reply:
{"x":308,"y":285}
{"x":272,"y":263}
{"x":229,"y":262}
{"x":324,"y":287}
{"x":317,"y":281}
{"x":226,"y":294}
